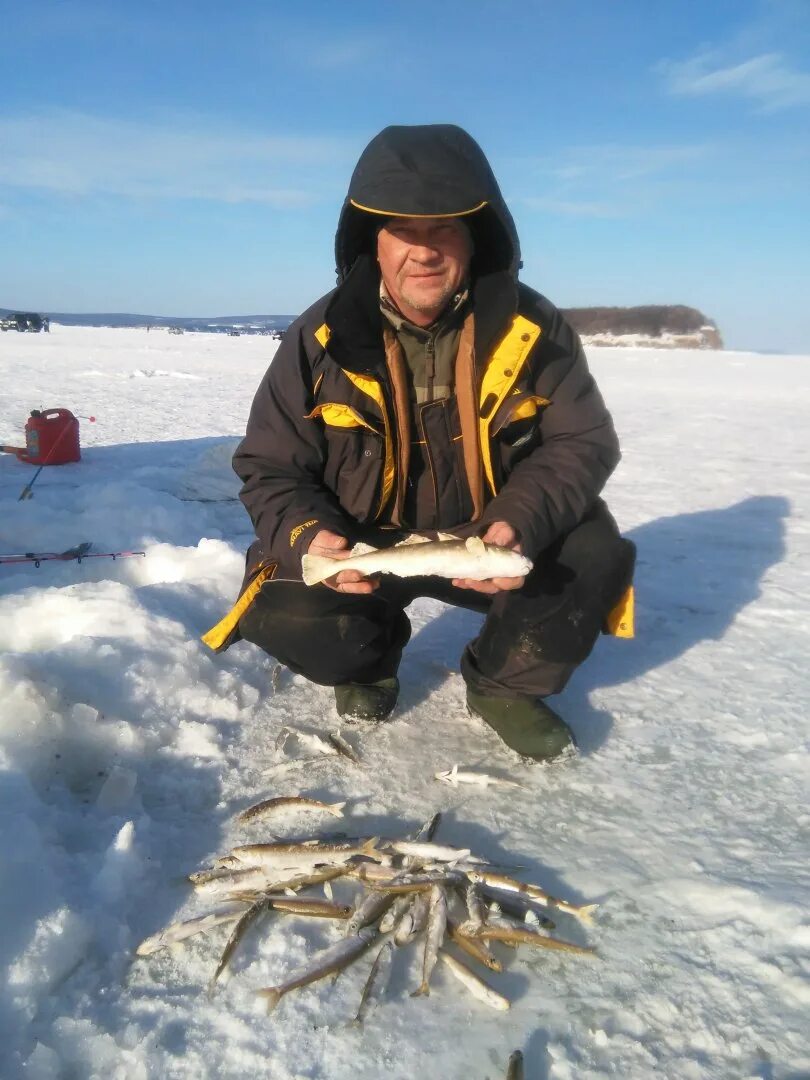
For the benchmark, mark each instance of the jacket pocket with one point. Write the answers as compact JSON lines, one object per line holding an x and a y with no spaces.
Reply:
{"x":354,"y":459}
{"x":517,"y":422}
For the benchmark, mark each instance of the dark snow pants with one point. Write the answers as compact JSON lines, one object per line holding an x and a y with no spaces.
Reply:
{"x":531,"y":641}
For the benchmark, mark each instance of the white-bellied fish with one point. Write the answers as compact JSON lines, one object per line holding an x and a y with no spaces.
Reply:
{"x":426,"y":850}
{"x":457,"y":776}
{"x":473,"y":947}
{"x":331,"y":960}
{"x":343,"y":747}
{"x":302,"y":856}
{"x":436,"y":926}
{"x":368,"y":911}
{"x":179,"y":931}
{"x":306,"y":905}
{"x":475,"y":984}
{"x":513,"y":935}
{"x":376,"y":983}
{"x":246,"y":920}
{"x":290,"y":802}
{"x":413,"y":920}
{"x":393,"y":915}
{"x":583,"y":912}
{"x":417,"y":556}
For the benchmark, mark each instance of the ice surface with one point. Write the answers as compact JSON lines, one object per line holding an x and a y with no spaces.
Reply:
{"x":127,"y":748}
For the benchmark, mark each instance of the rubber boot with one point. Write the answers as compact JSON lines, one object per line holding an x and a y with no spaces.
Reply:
{"x":367,"y":701}
{"x":529,"y":726}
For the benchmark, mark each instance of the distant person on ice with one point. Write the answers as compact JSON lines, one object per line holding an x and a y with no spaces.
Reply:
{"x":430,"y":390}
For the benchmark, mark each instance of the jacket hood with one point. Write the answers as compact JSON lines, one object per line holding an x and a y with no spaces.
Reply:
{"x":431,"y":170}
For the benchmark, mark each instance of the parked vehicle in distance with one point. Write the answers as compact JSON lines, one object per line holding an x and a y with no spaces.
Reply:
{"x":24,"y":321}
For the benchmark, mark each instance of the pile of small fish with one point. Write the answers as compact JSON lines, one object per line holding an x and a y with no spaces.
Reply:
{"x":412,"y":889}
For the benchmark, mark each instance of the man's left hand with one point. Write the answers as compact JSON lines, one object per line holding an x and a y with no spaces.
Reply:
{"x":501,"y":534}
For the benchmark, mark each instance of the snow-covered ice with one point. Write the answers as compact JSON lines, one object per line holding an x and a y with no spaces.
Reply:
{"x":127,"y":748}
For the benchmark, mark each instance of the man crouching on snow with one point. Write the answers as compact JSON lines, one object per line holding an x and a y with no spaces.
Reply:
{"x":430,"y":390}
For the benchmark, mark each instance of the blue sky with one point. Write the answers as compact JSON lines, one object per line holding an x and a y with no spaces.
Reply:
{"x":191,"y":158}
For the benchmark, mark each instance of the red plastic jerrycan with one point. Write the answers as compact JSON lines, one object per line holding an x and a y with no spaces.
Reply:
{"x":51,"y":437}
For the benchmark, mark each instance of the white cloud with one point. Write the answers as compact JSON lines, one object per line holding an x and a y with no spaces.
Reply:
{"x":767,"y":79}
{"x":608,"y":180}
{"x":75,"y":154}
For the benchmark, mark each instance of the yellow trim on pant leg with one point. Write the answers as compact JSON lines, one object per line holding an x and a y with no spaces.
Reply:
{"x":621,"y":621}
{"x":219,"y":634}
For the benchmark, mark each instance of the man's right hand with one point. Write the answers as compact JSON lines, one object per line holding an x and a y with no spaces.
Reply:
{"x":335,"y":546}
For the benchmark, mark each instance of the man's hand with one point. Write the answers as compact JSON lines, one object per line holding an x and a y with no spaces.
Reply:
{"x":501,"y":534}
{"x":335,"y":546}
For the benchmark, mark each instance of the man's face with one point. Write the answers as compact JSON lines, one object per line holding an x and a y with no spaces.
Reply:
{"x":423,"y":261}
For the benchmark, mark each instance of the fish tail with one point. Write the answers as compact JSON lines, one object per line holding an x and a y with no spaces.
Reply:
{"x":585,"y":913}
{"x":336,"y":808}
{"x":315,"y":568}
{"x":273,"y":996}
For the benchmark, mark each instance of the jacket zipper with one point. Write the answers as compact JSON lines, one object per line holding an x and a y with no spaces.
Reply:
{"x":430,"y":365}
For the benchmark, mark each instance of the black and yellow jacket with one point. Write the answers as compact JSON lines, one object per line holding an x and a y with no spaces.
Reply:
{"x":525,"y":437}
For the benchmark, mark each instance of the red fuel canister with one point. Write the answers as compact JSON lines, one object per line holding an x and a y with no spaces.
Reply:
{"x":51,"y":437}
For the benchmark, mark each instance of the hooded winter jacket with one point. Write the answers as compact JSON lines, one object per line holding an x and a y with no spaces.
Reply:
{"x":332,"y":436}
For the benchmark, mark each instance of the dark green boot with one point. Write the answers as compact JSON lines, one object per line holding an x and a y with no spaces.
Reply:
{"x":529,"y":726}
{"x":367,"y":701}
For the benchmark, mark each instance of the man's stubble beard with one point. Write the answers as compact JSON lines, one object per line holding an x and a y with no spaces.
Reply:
{"x":422,"y":305}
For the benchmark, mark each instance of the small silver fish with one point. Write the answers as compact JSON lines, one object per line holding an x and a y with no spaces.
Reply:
{"x":368,"y":911}
{"x":413,"y":920}
{"x":417,"y":556}
{"x":437,"y":924}
{"x":305,"y":856}
{"x":583,"y":912}
{"x":513,"y":935}
{"x":344,"y":748}
{"x":473,"y":947}
{"x":455,"y":776}
{"x":393,"y":915}
{"x":334,"y":959}
{"x":179,"y":931}
{"x":477,"y":987}
{"x":253,"y":913}
{"x":427,"y":831}
{"x":423,"y":849}
{"x":313,"y":741}
{"x":376,"y":983}
{"x":290,"y":802}
{"x":307,"y":905}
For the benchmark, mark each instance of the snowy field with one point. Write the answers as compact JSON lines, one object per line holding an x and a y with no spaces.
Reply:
{"x":127,"y":748}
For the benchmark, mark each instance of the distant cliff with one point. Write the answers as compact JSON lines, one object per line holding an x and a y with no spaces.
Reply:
{"x":657,"y":326}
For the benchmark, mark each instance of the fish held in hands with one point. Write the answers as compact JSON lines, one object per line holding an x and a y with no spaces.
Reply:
{"x":417,"y":556}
